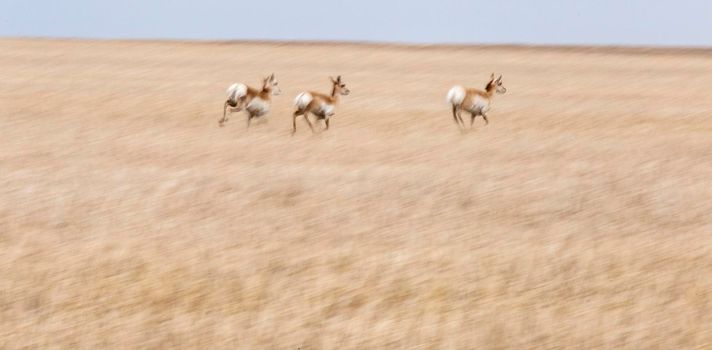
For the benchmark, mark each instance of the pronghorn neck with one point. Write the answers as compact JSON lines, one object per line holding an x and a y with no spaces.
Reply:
{"x":490,"y":89}
{"x":266,"y":92}
{"x":334,"y":94}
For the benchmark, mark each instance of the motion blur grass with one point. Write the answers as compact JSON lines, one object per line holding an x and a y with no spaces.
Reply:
{"x":579,"y":218}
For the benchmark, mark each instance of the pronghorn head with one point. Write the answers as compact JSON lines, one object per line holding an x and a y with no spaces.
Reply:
{"x":496,"y":85}
{"x":270,"y":84}
{"x":339,"y":87}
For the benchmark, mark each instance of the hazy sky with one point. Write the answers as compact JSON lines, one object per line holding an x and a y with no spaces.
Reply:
{"x":626,"y":22}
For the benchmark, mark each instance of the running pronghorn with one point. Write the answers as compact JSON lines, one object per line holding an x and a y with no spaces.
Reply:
{"x":255,"y":102}
{"x":474,"y":101}
{"x":321,"y":105}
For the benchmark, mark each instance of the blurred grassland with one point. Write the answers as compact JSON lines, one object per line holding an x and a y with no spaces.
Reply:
{"x":579,"y":218}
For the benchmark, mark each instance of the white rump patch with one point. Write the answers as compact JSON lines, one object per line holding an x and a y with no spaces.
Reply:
{"x":456,"y":95}
{"x":303,"y":100}
{"x":236,"y":91}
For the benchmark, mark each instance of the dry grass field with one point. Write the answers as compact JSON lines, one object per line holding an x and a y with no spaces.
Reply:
{"x":580,"y":218}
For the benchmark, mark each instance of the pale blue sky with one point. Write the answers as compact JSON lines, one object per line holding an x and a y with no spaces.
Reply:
{"x":601,"y":22}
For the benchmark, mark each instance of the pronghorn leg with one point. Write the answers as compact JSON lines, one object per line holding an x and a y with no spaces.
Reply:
{"x":311,"y":126}
{"x":485,"y":116}
{"x":226,"y":113}
{"x":249,"y":119}
{"x":326,"y":120}
{"x":457,"y":118}
{"x":294,"y":120}
{"x":454,"y":116}
{"x":473,"y":116}
{"x":222,"y":121}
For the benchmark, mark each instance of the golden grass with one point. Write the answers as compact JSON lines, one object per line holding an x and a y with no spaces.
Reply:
{"x":579,"y":218}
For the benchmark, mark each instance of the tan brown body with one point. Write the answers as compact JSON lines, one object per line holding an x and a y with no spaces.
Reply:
{"x":320,"y":105}
{"x":255,"y":102}
{"x":474,"y":101}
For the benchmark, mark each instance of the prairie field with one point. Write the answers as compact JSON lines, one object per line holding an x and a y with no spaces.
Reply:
{"x":579,"y":218}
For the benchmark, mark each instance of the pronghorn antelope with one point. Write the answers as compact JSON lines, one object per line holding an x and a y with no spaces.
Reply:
{"x":473,"y":101}
{"x":320,"y":105}
{"x":255,"y":102}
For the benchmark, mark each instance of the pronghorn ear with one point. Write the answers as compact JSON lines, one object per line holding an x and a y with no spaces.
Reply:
{"x":271,"y":77}
{"x":492,"y":77}
{"x":338,"y":79}
{"x":332,"y":80}
{"x":500,"y":78}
